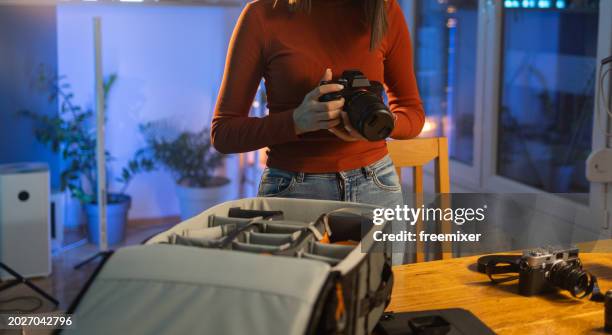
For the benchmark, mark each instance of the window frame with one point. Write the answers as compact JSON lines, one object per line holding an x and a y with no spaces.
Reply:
{"x":464,"y":175}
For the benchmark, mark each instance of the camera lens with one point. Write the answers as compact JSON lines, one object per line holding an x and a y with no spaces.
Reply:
{"x":571,"y":277}
{"x":369,"y":115}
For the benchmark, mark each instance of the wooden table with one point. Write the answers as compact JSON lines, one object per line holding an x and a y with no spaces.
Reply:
{"x":456,"y":283}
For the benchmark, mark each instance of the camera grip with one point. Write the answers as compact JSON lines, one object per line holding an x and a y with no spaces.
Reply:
{"x":330,"y":97}
{"x":327,"y":97}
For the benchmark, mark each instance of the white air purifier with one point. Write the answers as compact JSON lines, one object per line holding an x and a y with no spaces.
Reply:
{"x":25,"y":244}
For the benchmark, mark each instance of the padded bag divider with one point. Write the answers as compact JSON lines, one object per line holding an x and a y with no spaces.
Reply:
{"x":329,"y":260}
{"x":217,"y":220}
{"x":285,"y":223}
{"x":331,"y":250}
{"x":194,"y":242}
{"x":205,"y":237}
{"x":280,"y":228}
{"x":259,"y":248}
{"x":330,"y":253}
{"x":237,"y":212}
{"x":210,"y":233}
{"x":271,"y":239}
{"x":300,"y":210}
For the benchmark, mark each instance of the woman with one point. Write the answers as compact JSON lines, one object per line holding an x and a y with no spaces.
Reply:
{"x":313,"y":151}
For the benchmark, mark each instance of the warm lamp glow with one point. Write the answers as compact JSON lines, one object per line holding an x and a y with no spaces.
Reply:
{"x":430,"y":126}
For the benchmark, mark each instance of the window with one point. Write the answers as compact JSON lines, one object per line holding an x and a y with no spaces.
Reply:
{"x":548,"y":78}
{"x":512,"y":85}
{"x":445,"y":53}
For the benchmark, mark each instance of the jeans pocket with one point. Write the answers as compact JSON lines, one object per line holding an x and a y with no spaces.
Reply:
{"x":386,"y":178}
{"x":276,"y":183}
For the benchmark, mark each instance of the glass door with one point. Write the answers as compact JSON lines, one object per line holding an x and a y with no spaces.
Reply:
{"x":445,"y":37}
{"x":547,"y":93}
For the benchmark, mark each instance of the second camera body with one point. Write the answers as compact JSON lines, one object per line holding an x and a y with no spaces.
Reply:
{"x":364,"y":105}
{"x":543,"y":270}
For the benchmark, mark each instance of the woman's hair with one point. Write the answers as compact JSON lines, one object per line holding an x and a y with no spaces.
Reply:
{"x":375,"y":15}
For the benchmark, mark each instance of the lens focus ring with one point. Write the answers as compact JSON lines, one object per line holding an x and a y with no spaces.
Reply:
{"x":570,"y":277}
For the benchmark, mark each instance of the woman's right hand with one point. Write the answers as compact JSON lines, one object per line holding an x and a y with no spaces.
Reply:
{"x":314,"y":115}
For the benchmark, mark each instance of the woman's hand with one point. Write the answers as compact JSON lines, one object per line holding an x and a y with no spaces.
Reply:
{"x":314,"y":115}
{"x":345,"y":130}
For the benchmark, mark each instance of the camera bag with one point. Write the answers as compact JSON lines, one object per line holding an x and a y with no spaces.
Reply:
{"x":311,"y":270}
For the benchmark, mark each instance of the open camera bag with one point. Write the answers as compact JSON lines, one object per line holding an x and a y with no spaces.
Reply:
{"x":311,"y":271}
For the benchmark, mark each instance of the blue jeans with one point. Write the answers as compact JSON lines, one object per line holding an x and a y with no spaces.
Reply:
{"x":375,"y":184}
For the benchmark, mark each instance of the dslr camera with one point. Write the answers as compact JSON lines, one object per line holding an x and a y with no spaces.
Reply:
{"x":543,"y":270}
{"x":364,"y":105}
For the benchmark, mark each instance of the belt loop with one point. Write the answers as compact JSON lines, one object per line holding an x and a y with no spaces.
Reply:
{"x":367,"y":172}
{"x":340,"y":179}
{"x":364,"y":171}
{"x":300,"y":177}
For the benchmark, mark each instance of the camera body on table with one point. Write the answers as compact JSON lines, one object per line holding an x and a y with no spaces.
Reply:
{"x":544,"y":270}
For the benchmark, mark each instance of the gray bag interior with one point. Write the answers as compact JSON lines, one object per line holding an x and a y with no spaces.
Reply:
{"x":179,"y":282}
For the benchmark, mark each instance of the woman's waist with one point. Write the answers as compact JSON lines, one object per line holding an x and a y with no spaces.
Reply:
{"x":325,"y":156}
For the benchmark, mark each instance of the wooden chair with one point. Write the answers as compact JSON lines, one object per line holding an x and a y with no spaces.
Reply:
{"x":416,"y":153}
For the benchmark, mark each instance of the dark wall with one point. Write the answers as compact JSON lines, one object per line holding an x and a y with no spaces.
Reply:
{"x":28,"y":38}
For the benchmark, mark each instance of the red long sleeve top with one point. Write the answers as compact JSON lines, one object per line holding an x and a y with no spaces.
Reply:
{"x":291,"y":52}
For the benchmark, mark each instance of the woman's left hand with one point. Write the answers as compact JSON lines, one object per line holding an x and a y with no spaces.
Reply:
{"x":345,"y":131}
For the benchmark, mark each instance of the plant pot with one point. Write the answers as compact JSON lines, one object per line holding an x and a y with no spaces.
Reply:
{"x":116,"y":220}
{"x":75,"y":214}
{"x":195,"y":200}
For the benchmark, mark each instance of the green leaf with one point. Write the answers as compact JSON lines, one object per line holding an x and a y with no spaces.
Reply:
{"x":125,"y":174}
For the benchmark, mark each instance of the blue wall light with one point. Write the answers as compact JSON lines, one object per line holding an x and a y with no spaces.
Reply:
{"x":511,"y":4}
{"x":540,"y":4}
{"x":560,"y":4}
{"x":544,"y":4}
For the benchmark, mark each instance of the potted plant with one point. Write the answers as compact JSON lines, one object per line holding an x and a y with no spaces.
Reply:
{"x":192,"y":162}
{"x":71,"y":133}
